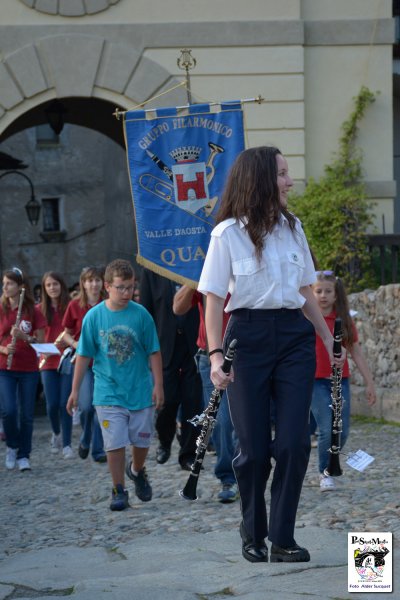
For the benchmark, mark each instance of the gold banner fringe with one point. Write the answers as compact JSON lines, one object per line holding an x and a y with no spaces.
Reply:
{"x":148,"y":264}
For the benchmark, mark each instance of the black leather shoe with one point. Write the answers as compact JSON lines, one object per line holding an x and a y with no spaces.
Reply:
{"x":293,"y":554}
{"x":252,"y":551}
{"x":101,"y":459}
{"x":83,"y":452}
{"x":162,"y":454}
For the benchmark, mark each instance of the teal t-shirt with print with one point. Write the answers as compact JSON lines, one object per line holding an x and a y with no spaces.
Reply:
{"x":120,"y":342}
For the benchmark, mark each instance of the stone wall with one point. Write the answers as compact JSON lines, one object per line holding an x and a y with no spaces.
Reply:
{"x":378,"y":325}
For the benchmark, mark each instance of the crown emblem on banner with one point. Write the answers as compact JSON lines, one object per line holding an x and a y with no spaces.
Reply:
{"x":185,"y":153}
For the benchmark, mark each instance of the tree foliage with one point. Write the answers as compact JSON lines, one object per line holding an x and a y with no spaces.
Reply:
{"x":334,"y":210}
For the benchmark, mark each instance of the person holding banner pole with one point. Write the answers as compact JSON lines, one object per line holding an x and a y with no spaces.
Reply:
{"x":182,"y":383}
{"x":259,"y":253}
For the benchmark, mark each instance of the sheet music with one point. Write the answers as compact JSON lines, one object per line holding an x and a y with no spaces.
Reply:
{"x":359,"y":460}
{"x":45,"y":349}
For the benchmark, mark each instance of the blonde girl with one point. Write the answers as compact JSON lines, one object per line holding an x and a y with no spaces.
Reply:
{"x":332,"y":300}
{"x":91,"y":292}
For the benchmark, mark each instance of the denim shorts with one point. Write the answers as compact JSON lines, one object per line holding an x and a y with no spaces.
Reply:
{"x":123,"y":427}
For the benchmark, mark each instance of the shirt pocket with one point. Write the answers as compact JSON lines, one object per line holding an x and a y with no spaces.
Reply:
{"x":296,"y":266}
{"x":249,"y":276}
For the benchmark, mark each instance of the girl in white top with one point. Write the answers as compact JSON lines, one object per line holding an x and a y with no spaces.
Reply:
{"x":259,"y":254}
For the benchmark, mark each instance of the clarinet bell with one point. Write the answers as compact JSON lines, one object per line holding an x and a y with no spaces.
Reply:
{"x":189,"y":491}
{"x":333,"y":469}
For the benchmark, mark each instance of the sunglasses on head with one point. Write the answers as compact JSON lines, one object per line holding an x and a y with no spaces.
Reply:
{"x":324,"y":273}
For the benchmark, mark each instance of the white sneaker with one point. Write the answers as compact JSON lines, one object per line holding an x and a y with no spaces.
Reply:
{"x":11,"y":458}
{"x":326,"y":483}
{"x":68,"y":452}
{"x":24,"y":464}
{"x":55,"y":443}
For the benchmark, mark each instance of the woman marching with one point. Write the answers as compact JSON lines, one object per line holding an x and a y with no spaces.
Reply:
{"x":91,"y":292}
{"x":57,"y":386}
{"x":19,"y":371}
{"x":331,"y":296}
{"x":258,"y":252}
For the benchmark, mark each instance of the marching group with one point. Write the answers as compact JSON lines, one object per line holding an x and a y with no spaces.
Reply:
{"x":128,"y":365}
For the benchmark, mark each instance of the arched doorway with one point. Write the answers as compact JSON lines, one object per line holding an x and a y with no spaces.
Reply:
{"x":81,"y":180}
{"x":85,"y":176}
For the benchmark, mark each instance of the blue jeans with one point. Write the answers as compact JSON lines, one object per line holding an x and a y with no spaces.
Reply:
{"x":18,"y":395}
{"x":57,"y":388}
{"x":223,"y":437}
{"x":91,"y":431}
{"x":320,"y":406}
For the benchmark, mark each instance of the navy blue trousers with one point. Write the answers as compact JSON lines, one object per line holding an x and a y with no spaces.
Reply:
{"x":274,"y":362}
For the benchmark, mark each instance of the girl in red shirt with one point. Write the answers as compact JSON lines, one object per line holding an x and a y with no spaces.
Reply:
{"x":331,"y":297}
{"x":57,"y":386}
{"x":91,"y":292}
{"x":18,"y":383}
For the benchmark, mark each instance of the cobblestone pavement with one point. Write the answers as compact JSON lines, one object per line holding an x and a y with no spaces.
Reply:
{"x":66,"y":502}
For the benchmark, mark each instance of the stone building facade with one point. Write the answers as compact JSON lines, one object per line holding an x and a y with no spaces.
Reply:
{"x":307,"y":58}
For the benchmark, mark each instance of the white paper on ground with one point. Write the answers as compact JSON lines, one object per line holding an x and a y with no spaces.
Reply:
{"x":359,"y":460}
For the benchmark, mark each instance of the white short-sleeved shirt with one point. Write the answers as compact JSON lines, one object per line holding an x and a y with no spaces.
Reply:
{"x":274,"y":282}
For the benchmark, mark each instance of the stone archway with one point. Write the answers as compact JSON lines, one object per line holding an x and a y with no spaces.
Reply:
{"x":78,"y":65}
{"x":91,"y":75}
{"x":66,"y":8}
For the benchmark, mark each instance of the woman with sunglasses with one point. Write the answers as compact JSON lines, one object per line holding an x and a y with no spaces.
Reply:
{"x":258,"y":252}
{"x":57,"y":386}
{"x":18,"y":380}
{"x":332,"y":300}
{"x":91,"y":292}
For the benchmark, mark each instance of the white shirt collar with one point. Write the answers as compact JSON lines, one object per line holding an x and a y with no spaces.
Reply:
{"x":244,"y":220}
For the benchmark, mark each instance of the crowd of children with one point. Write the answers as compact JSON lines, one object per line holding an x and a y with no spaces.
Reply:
{"x":110,"y":351}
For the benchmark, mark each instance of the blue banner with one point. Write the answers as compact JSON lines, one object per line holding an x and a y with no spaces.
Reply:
{"x":178,"y":160}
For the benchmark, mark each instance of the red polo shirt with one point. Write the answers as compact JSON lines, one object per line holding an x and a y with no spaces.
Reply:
{"x":52,"y":331}
{"x":202,"y":338}
{"x":24,"y":358}
{"x":73,"y":317}
{"x":324,"y":368}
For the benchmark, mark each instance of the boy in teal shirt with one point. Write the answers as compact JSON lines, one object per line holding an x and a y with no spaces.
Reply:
{"x":120,"y":336}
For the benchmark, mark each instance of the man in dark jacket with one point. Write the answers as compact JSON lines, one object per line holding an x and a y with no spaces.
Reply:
{"x":182,"y":383}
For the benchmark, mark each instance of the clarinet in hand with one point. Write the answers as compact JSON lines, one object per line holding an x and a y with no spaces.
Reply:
{"x":207,"y":421}
{"x":14,"y":338}
{"x":333,"y":469}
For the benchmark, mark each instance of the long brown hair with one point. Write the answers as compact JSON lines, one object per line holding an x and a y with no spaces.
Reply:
{"x":89,"y":273}
{"x":341,"y":306}
{"x":15,"y":274}
{"x":45,"y":304}
{"x":251,"y":194}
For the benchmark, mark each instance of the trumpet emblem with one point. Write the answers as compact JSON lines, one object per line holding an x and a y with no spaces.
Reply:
{"x":189,"y":178}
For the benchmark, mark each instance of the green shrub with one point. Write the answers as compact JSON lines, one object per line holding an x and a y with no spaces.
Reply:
{"x":334,"y":210}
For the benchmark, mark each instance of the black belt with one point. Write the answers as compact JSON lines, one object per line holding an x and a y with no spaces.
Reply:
{"x":201,"y":351}
{"x":264,"y":313}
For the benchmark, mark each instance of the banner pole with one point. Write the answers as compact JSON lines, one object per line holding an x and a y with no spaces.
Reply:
{"x":258,"y":99}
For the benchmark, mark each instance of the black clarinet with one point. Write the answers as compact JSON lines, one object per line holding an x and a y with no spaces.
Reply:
{"x":207,"y":421}
{"x":333,"y":469}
